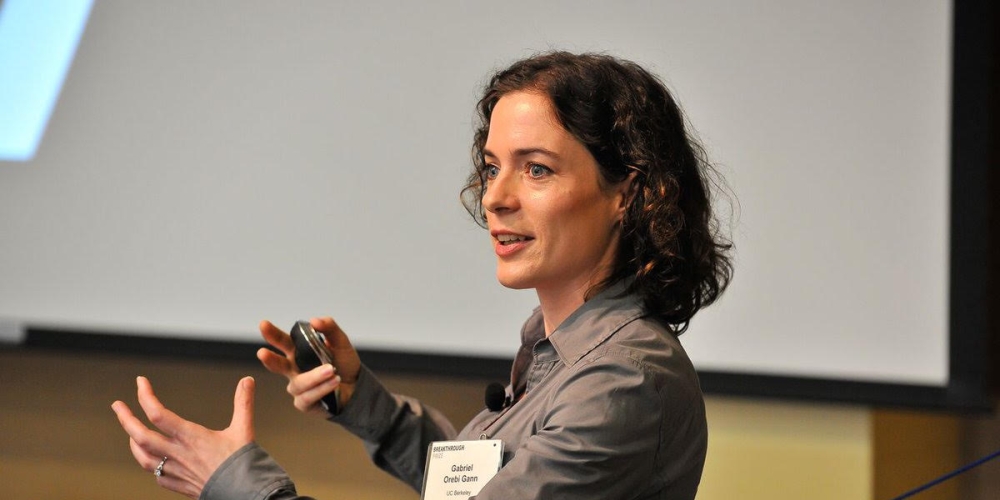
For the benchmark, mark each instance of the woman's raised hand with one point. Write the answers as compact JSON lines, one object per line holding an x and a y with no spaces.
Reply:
{"x":308,"y":388}
{"x":182,"y":454}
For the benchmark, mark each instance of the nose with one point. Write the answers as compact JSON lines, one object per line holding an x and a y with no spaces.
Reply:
{"x":501,"y":193}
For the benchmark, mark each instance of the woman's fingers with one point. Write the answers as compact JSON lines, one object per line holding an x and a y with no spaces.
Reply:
{"x":279,"y":363}
{"x":242,"y":422}
{"x":277,"y":338}
{"x":336,"y":339}
{"x":178,"y":486}
{"x":149,"y":450}
{"x":143,"y":457}
{"x":344,"y":355}
{"x":173,"y":475}
{"x":310,"y":379}
{"x":164,"y":419}
{"x":194,"y":451}
{"x":149,"y":440}
{"x":276,"y":363}
{"x":308,"y":388}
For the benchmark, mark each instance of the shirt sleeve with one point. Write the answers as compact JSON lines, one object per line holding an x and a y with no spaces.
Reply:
{"x":250,"y":474}
{"x":610,"y":434}
{"x":395,"y":429}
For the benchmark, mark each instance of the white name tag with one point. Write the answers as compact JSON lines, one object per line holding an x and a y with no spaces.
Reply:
{"x":457,"y":470}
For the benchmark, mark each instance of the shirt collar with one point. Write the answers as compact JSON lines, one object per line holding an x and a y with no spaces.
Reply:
{"x":579,"y":333}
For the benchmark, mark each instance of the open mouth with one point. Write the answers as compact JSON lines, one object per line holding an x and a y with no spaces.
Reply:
{"x":507,"y":239}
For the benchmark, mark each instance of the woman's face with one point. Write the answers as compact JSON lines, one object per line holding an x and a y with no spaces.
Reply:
{"x":554,"y":227}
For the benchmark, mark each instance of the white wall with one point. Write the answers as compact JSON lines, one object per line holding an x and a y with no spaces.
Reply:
{"x":210,"y":164}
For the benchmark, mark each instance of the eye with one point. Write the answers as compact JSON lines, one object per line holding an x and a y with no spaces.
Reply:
{"x":535,"y":170}
{"x":491,"y":171}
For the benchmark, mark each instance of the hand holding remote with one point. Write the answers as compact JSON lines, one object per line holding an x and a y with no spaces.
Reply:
{"x":308,"y":387}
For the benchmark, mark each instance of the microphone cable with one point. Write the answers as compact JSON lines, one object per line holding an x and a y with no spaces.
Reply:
{"x":949,"y":475}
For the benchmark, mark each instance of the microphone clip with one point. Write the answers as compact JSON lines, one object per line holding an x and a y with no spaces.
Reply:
{"x":496,"y":397}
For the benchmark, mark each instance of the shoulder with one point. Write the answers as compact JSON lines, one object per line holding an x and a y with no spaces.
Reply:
{"x":612,"y":342}
{"x":649,"y":349}
{"x":648,"y":344}
{"x":637,"y":382}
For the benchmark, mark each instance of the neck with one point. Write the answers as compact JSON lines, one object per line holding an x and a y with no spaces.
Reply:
{"x":558,"y":303}
{"x":557,"y":307}
{"x":560,"y":300}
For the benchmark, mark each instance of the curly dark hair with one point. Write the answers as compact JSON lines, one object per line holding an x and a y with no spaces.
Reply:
{"x":671,"y":246}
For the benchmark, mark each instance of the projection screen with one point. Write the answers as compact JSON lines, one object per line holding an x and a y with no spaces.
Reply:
{"x":211,"y":164}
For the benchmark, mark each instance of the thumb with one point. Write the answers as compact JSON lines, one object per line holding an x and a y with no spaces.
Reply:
{"x":336,"y":339}
{"x":242,"y":421}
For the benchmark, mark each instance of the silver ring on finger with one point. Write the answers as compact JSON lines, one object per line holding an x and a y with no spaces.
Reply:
{"x":159,"y":468}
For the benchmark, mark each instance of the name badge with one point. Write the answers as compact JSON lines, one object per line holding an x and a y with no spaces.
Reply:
{"x":457,"y":470}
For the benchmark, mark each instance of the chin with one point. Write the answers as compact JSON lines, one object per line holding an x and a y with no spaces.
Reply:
{"x":514,"y":282}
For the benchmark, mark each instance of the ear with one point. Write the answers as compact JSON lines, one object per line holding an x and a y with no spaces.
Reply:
{"x":625,"y":192}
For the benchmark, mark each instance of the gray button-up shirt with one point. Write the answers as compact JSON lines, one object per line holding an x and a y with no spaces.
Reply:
{"x":607,"y":407}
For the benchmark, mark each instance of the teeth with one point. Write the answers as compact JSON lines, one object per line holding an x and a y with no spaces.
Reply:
{"x":507,"y":238}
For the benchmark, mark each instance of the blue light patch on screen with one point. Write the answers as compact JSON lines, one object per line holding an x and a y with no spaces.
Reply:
{"x":38,"y":40}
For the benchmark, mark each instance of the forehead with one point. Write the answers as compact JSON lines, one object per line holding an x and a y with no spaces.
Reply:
{"x":522,"y":119}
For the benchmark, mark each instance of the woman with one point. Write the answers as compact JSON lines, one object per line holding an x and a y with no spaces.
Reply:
{"x":596,"y":197}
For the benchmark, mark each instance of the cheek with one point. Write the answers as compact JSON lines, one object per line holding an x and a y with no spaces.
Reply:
{"x":555,"y":213}
{"x":573,"y":224}
{"x":591,"y":226}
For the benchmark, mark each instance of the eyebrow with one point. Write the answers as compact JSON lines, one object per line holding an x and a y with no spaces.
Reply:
{"x":526,"y":151}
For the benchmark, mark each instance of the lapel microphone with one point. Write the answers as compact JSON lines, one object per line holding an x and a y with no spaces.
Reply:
{"x":496,"y":397}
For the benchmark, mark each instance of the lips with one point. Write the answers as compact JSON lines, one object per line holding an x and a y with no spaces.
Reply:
{"x":506,"y":243}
